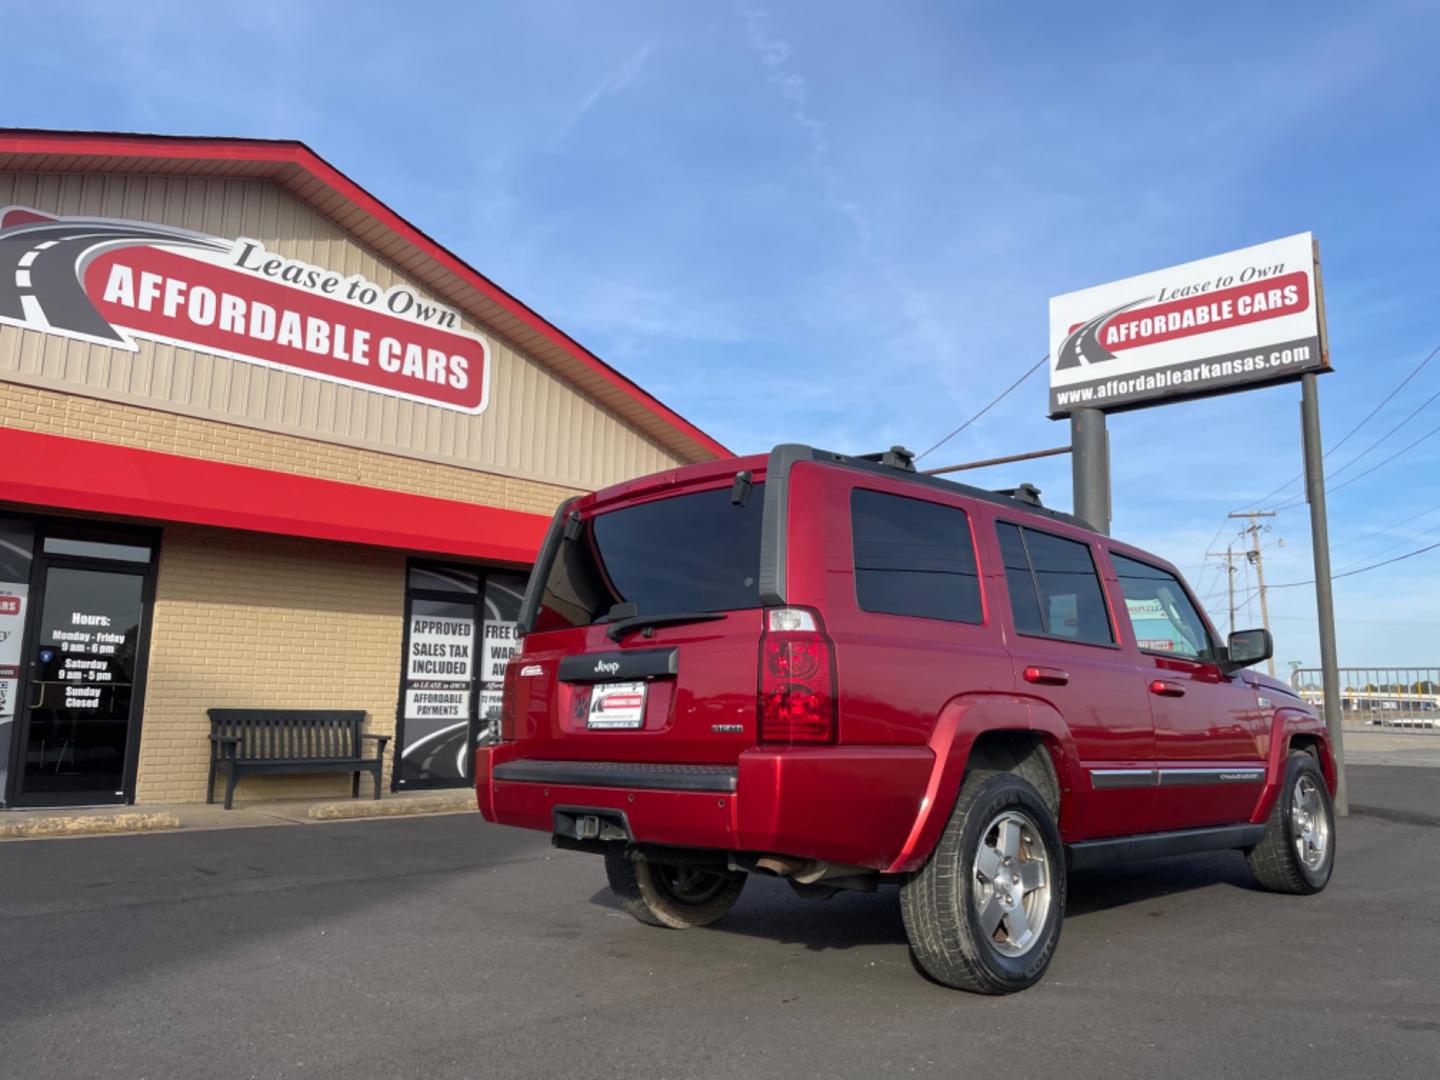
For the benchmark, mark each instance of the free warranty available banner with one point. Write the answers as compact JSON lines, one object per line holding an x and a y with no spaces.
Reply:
{"x":1232,"y":321}
{"x":111,"y":282}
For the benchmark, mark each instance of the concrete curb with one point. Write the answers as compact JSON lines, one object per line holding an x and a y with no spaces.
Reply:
{"x":450,"y":802}
{"x":86,"y":825}
{"x":1399,"y":817}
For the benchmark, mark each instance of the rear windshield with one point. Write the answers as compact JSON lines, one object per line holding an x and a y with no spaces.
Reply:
{"x":697,"y":552}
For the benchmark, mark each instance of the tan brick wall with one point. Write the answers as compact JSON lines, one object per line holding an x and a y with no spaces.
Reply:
{"x":32,"y":409}
{"x":246,"y":619}
{"x":250,"y":620}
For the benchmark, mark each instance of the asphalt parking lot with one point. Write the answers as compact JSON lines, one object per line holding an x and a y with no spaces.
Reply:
{"x":442,"y":947}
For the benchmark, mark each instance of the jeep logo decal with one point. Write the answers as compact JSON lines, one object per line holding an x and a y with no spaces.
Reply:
{"x":606,"y":667}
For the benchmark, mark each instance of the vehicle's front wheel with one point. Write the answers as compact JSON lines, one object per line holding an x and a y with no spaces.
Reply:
{"x":984,"y":913}
{"x":660,"y":894}
{"x":1298,"y":852}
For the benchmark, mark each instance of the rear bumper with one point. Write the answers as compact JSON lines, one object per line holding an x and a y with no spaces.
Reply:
{"x":621,"y":774}
{"x":854,"y":805}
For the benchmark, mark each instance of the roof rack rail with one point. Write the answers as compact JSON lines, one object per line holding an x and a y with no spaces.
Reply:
{"x":1025,"y":493}
{"x":782,"y":457}
{"x":897,"y":457}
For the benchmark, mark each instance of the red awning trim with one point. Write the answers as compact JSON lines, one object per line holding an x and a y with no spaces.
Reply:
{"x":55,"y":472}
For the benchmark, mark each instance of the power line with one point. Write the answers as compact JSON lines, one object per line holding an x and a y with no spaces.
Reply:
{"x":1368,"y":417}
{"x":1362,"y":569}
{"x":1199,"y":582}
{"x":996,"y":401}
{"x":1360,"y":476}
{"x":1381,"y":534}
{"x":1421,"y":535}
{"x":1418,"y":409}
{"x":1374,"y":533}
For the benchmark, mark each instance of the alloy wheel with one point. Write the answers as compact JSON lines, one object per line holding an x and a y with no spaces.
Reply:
{"x":1011,"y":886}
{"x":1309,"y":824}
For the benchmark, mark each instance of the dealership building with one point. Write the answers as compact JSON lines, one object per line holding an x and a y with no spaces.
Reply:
{"x":265,"y":444}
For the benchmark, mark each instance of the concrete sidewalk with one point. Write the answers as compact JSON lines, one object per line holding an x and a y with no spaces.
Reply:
{"x":1370,"y":747}
{"x":109,"y":820}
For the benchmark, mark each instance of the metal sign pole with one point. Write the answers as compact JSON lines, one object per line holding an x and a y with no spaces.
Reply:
{"x":1090,"y":468}
{"x":1324,"y":594}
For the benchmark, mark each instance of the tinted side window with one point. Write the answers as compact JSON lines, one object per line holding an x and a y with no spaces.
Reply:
{"x":1019,"y":581}
{"x":1161,"y":614}
{"x":1064,"y":587}
{"x":914,"y":557}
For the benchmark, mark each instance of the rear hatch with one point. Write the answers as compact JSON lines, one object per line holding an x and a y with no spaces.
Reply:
{"x":646,"y":625}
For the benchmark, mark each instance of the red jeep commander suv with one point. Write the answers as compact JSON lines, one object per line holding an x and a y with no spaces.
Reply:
{"x":838,"y":671}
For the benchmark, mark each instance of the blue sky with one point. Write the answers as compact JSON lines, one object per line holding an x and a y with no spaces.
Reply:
{"x":841,"y":222}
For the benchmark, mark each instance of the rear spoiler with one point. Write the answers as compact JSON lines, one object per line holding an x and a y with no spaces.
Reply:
{"x":535,"y":587}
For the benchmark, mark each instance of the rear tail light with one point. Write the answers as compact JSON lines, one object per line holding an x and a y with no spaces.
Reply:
{"x":797,"y":679}
{"x":507,"y":699}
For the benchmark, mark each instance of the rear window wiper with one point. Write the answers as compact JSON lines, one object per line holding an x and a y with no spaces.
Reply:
{"x":617,"y":630}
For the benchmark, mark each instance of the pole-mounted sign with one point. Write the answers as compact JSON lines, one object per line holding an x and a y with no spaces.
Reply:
{"x":1230,"y":322}
{"x":1236,"y":321}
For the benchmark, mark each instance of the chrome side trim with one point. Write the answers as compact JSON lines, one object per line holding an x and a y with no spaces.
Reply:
{"x":1106,"y":779}
{"x":1234,"y":775}
{"x":1101,"y":779}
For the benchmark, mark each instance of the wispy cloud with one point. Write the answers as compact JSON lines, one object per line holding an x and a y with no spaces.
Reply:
{"x":622,"y":76}
{"x":775,"y":52}
{"x":638,"y":309}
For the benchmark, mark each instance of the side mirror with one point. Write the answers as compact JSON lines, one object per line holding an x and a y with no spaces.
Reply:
{"x":1248,"y":647}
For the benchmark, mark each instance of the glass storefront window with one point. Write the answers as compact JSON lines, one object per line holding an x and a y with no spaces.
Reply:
{"x":95,"y":549}
{"x":17,"y":548}
{"x":460,"y":631}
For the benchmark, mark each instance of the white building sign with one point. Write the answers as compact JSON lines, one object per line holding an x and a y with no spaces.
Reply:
{"x":1229,"y":322}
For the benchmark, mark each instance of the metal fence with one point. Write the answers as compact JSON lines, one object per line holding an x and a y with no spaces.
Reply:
{"x":1395,"y":699}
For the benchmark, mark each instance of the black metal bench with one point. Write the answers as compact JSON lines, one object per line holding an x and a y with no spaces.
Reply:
{"x":290,"y":741}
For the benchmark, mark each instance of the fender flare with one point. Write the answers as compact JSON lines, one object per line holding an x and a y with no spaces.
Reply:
{"x":1288,"y":722}
{"x":962,"y":720}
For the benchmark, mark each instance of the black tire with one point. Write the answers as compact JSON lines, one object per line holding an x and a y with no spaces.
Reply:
{"x":941,"y":903}
{"x":675,"y":897}
{"x":1276,"y":861}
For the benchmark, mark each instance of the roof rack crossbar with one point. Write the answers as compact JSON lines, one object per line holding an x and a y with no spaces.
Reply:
{"x":897,"y":457}
{"x":1025,"y":493}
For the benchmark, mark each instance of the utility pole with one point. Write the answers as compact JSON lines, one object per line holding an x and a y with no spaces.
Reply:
{"x":1230,"y":573}
{"x":1229,"y":556}
{"x":1253,"y":530}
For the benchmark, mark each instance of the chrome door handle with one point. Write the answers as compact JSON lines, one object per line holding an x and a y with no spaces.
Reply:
{"x":1046,"y":676}
{"x":1166,"y":688}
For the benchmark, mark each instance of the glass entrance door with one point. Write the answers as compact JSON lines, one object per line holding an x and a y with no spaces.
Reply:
{"x":75,"y":731}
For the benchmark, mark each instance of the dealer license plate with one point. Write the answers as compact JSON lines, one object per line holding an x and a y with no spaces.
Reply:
{"x":617,"y":706}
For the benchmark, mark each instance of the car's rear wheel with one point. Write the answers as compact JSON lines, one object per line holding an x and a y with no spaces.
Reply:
{"x":984,"y":913}
{"x":663,"y":894}
{"x":1297,"y":854}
